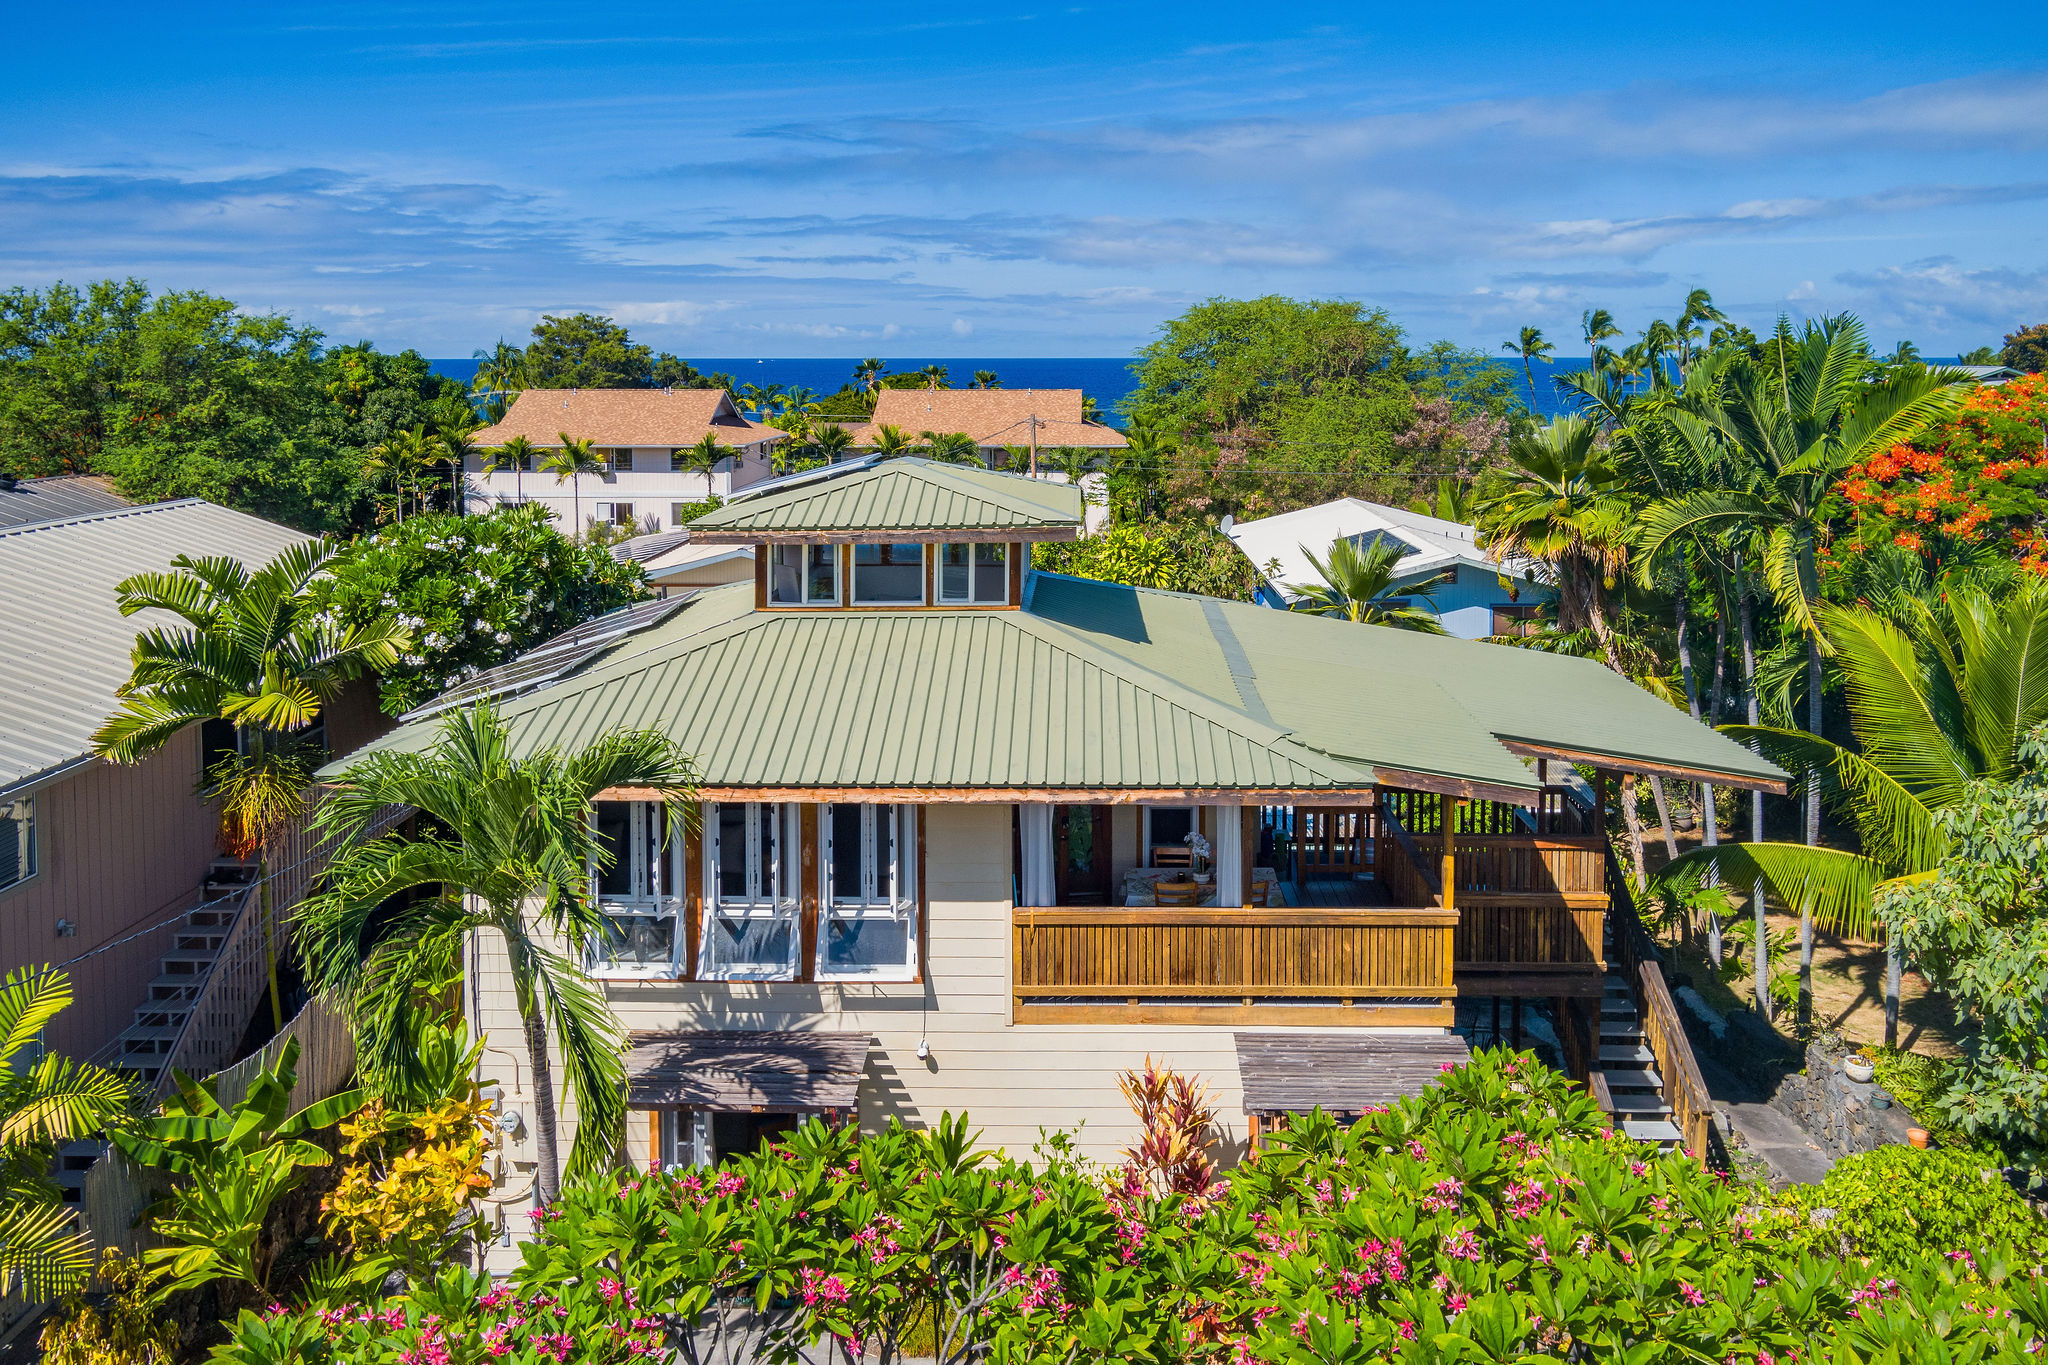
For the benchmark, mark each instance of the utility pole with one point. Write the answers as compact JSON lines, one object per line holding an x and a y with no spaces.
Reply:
{"x":1033,"y":420}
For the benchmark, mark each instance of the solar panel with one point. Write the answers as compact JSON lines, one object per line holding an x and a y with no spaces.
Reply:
{"x":555,"y":658}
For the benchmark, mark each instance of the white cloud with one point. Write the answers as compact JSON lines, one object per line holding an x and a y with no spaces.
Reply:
{"x":962,"y":327}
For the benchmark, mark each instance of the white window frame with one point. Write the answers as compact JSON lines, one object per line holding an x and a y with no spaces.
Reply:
{"x":804,"y":597}
{"x":970,"y":600}
{"x":924,"y":574}
{"x":22,"y":811}
{"x":655,"y":875}
{"x":876,"y":900}
{"x":685,"y":1138}
{"x":771,"y":892}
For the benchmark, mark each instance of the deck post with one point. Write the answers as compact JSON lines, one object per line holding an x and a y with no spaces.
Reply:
{"x":1448,"y":871}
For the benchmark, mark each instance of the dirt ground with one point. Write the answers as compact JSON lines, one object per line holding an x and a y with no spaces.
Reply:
{"x":1848,"y":993}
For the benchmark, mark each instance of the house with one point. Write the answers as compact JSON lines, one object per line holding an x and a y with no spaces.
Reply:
{"x":673,"y":564}
{"x":55,"y":498}
{"x":1475,"y":596}
{"x":112,"y":871}
{"x":939,"y":790}
{"x":640,"y":435}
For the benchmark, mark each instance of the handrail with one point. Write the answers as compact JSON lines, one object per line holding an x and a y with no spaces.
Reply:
{"x":1417,"y":864}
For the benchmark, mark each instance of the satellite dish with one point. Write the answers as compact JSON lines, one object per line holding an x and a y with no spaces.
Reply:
{"x":1225,"y":524}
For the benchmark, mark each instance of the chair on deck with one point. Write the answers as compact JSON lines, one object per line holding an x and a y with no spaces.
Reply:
{"x":1172,"y":855}
{"x":1261,"y":894}
{"x":1176,"y":893}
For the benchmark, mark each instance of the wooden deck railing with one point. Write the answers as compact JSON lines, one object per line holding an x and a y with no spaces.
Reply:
{"x":1403,"y":868}
{"x":1239,"y":956}
{"x":1685,"y":1090}
{"x":1508,"y":932}
{"x":1521,"y":863}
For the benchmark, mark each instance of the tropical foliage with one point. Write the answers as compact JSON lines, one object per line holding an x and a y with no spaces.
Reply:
{"x":468,"y":593}
{"x":1178,"y":556}
{"x":505,"y":848}
{"x":1356,"y":584}
{"x":1491,"y":1218}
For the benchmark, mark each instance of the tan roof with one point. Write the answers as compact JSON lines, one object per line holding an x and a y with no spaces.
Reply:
{"x":993,"y":417}
{"x":625,"y":417}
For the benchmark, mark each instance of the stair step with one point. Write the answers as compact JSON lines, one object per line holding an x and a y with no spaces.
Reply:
{"x":1632,"y":1078}
{"x":187,"y":959}
{"x":210,"y":919}
{"x":1620,"y":1033}
{"x":1626,"y":1053}
{"x":1641,"y":1104}
{"x":1652,"y":1130}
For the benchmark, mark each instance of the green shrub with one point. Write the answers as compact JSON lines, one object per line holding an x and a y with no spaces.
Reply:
{"x":1895,"y":1204}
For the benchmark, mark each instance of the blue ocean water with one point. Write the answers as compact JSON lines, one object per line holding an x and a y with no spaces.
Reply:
{"x":1107,"y":379}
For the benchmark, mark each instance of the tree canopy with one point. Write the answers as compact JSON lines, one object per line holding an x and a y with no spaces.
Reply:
{"x":589,"y":351}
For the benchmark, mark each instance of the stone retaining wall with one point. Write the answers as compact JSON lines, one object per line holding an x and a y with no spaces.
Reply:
{"x":1838,"y":1111}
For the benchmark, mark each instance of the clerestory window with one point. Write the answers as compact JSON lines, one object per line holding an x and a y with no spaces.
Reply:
{"x":976,"y":574}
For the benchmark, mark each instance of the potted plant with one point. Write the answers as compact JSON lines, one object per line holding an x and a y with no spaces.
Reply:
{"x":1198,"y":847}
{"x":1858,"y":1067}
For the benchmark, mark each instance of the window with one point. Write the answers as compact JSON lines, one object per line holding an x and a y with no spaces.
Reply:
{"x":803,"y":575}
{"x":974,"y":573}
{"x":685,"y":1138}
{"x":615,"y":513}
{"x":614,"y":459}
{"x":869,"y":924}
{"x":638,"y":890}
{"x":1166,"y":835}
{"x":888,"y":575}
{"x":750,"y":892}
{"x":17,"y":841}
{"x":1518,"y":620}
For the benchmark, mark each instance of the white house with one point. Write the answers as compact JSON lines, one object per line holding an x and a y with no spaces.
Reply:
{"x":640,"y":434}
{"x":1475,"y":596}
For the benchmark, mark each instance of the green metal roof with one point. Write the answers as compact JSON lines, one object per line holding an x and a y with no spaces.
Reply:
{"x":1347,"y":687}
{"x":898,"y":495}
{"x":1094,"y":685}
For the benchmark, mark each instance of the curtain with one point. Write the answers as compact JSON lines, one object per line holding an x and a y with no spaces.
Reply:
{"x":1035,"y":878}
{"x":1228,"y":847}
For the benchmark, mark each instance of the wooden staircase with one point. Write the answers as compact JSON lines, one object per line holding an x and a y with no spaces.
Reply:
{"x":146,"y":1046}
{"x":1629,"y":1086}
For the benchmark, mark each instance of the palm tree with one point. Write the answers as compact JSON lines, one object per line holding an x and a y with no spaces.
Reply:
{"x":831,"y":441}
{"x":405,"y":457}
{"x":934,"y":376}
{"x":1596,"y":325}
{"x":986,"y":379}
{"x":569,"y":464}
{"x":507,"y":847}
{"x":1936,"y":703}
{"x":256,"y":652}
{"x":45,"y":1103}
{"x":799,"y":400}
{"x":867,"y":376}
{"x":891,"y":440}
{"x":1356,"y":586}
{"x":458,"y":447}
{"x":949,"y":447}
{"x":760,"y":397}
{"x":1530,"y":346}
{"x":703,"y":457}
{"x":1697,"y":312}
{"x":1452,"y":501}
{"x":516,"y":454}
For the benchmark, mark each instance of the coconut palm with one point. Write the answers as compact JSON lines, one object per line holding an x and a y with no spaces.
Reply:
{"x":1531,"y":347}
{"x":986,"y":379}
{"x":500,"y":375}
{"x":1358,"y":583}
{"x":516,"y":454}
{"x":867,"y":376}
{"x":831,"y":442}
{"x":1937,"y":700}
{"x":407,"y":457}
{"x":760,"y":398}
{"x":1796,"y":422}
{"x":703,"y":457}
{"x":934,"y":377}
{"x":569,"y":464}
{"x":506,"y":848}
{"x":1596,"y":325}
{"x":253,"y":651}
{"x":1693,"y":317}
{"x":457,"y":448}
{"x":44,"y":1103}
{"x":891,"y":440}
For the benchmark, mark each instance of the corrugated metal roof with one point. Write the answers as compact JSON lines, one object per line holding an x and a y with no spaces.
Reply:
{"x":907,"y":699}
{"x":1095,"y":685}
{"x":902,"y":495}
{"x":57,"y":498}
{"x":1512,"y":694}
{"x":64,"y":645}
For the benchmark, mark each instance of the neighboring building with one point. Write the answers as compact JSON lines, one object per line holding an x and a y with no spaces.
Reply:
{"x":938,"y":787}
{"x":994,"y":418}
{"x":1988,"y":375}
{"x":1475,"y":596}
{"x":98,"y":860}
{"x":639,"y":433}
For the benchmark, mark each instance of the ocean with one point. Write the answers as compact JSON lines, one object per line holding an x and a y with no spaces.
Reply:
{"x":1107,"y":379}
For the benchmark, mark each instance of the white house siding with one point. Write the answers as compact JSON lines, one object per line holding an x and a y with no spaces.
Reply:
{"x":1012,"y":1080}
{"x":650,"y":485}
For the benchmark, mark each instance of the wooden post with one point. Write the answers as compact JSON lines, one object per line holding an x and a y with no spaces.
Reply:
{"x":1449,"y":869}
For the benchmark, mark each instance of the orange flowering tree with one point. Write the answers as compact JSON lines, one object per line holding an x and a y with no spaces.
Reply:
{"x":1979,"y":479}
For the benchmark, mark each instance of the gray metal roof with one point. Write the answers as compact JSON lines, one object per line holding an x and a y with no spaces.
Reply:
{"x":57,"y":498}
{"x":1340,"y":1073}
{"x":64,"y":645}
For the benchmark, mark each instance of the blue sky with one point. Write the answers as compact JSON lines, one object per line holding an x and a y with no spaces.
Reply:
{"x":997,"y":180}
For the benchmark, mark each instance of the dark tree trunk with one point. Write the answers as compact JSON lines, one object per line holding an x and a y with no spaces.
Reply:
{"x":1756,"y":798}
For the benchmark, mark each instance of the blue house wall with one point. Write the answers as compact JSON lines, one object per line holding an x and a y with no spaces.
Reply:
{"x":1465,"y":604}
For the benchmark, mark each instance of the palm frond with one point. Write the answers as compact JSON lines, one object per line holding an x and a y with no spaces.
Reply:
{"x":1897,"y":830}
{"x":1836,"y":886}
{"x":592,"y":1057}
{"x":40,"y":1251}
{"x":29,"y":998}
{"x":61,"y":1100}
{"x":1897,"y":714}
